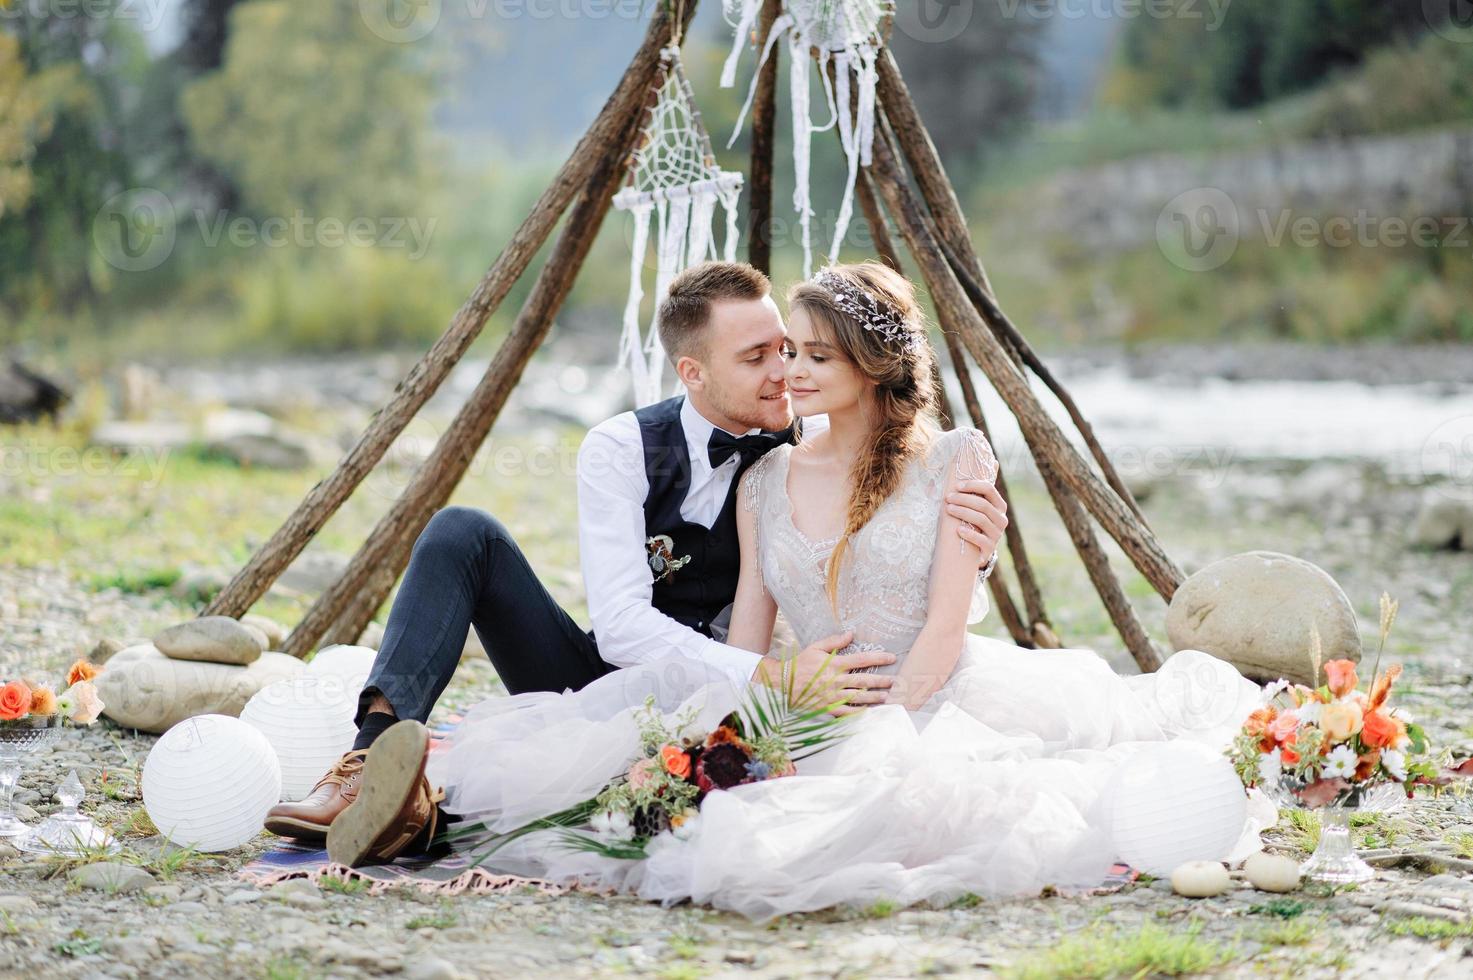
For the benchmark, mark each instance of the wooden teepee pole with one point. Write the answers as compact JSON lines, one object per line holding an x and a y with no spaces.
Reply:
{"x":341,"y":612}
{"x":764,"y":119}
{"x":1038,"y":427}
{"x":920,"y":236}
{"x":955,"y":238}
{"x":324,"y":499}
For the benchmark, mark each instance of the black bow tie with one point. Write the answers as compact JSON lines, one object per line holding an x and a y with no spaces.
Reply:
{"x":724,"y":445}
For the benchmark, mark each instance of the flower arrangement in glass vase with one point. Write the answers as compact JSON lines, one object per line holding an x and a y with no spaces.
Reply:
{"x":662,"y":790}
{"x":32,"y":716}
{"x":1336,"y":748}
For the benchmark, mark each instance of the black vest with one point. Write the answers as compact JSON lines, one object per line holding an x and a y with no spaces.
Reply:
{"x":695,"y":591}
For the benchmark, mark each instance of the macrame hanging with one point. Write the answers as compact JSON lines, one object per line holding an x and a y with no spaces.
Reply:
{"x":846,"y":32}
{"x":673,"y":177}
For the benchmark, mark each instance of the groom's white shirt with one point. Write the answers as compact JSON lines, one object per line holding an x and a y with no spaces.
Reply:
{"x":612,"y":486}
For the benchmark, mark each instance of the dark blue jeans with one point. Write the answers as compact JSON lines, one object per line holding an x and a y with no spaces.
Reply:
{"x":465,"y":570}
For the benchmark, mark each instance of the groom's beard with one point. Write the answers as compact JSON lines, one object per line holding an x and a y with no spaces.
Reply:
{"x":771,"y":416}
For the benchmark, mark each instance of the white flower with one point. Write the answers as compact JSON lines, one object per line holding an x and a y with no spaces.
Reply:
{"x":1270,"y":766}
{"x":1395,"y":763}
{"x":1274,"y":690}
{"x":686,"y":828}
{"x":611,"y":825}
{"x":1309,"y":712}
{"x":1341,"y":762}
{"x":86,"y":705}
{"x":1403,"y":714}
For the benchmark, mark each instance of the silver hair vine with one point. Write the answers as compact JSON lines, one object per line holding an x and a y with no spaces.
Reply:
{"x":865,"y":308}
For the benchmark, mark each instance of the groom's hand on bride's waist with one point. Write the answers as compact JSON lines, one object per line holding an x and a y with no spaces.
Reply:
{"x":830,"y":676}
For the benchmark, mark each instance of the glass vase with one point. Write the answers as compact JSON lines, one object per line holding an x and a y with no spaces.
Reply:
{"x":19,"y":740}
{"x":1334,"y":861}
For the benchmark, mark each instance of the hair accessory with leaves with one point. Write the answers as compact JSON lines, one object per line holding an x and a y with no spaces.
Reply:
{"x":866,"y":308}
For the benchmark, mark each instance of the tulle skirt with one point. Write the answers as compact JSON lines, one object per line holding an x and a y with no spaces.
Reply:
{"x":996,"y":787}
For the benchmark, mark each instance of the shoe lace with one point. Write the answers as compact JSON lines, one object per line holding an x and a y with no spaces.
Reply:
{"x":345,"y":768}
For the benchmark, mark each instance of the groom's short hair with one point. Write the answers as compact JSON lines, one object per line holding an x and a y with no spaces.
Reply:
{"x":687,"y":306}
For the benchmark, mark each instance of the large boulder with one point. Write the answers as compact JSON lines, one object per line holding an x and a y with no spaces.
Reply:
{"x":1254,"y":610}
{"x":141,"y":688}
{"x":212,"y":639}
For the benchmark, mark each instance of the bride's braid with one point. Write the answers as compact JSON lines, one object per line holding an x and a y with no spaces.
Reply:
{"x":871,"y":314}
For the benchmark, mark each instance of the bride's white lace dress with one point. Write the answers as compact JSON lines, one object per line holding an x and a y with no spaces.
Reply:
{"x":994,"y":787}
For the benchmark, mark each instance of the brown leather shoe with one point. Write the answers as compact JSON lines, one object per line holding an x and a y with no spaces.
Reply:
{"x":394,"y":805}
{"x":308,"y":818}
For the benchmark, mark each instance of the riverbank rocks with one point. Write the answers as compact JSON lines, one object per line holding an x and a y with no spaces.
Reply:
{"x":1444,"y":522}
{"x":274,"y":632}
{"x":144,"y":689}
{"x":1200,"y":879}
{"x":1255,"y":610}
{"x":212,"y":639}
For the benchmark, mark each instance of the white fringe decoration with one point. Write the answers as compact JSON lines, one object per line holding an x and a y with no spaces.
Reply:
{"x":847,"y":32}
{"x":674,"y":179}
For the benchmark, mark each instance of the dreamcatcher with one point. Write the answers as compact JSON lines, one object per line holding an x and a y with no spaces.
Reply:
{"x":846,"y":32}
{"x":674,"y":179}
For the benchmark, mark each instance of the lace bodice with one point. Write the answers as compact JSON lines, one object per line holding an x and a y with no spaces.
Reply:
{"x":885,"y":581}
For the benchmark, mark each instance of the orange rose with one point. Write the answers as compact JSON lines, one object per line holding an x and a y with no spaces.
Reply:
{"x":15,"y":701}
{"x":1288,"y":755}
{"x":1284,"y":726}
{"x":80,"y":671}
{"x":1378,"y":730}
{"x":1341,"y":677}
{"x":1257,"y":726}
{"x":677,"y":763}
{"x":43,"y":701}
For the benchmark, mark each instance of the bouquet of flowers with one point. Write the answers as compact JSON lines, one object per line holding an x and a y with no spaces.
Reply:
{"x":663,"y":789}
{"x":1333,"y":743}
{"x":36,"y":705}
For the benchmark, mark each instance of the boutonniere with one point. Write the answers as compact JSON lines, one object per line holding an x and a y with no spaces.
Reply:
{"x":662,"y":558}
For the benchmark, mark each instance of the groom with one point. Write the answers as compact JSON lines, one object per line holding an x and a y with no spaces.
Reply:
{"x":658,"y":546}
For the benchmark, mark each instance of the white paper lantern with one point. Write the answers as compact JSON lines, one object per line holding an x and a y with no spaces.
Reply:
{"x":209,"y":781}
{"x":1175,"y":802}
{"x":344,"y":666}
{"x":309,"y":723}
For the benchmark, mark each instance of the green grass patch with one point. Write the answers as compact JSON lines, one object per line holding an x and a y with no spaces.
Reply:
{"x":1104,"y":951}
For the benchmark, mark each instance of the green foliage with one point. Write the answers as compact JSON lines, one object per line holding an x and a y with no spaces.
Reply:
{"x":312,"y":111}
{"x":1102,"y":951}
{"x":1254,"y":51}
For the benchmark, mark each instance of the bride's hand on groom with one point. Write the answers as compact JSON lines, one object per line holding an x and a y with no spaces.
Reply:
{"x":831,"y":677}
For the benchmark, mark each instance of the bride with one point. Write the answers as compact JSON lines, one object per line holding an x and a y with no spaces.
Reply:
{"x":982,"y":769}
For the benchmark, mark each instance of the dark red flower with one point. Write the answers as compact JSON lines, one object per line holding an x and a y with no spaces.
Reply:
{"x":722,"y":766}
